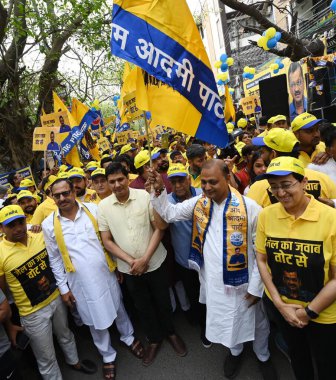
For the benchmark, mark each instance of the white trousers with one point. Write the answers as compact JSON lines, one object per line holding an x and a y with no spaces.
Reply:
{"x":40,"y":326}
{"x":102,"y":339}
{"x":262,"y":330}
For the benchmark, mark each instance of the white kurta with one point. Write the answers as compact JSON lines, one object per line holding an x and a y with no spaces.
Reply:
{"x":229,"y":321}
{"x":94,"y":287}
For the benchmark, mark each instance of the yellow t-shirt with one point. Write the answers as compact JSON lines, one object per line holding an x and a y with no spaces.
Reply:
{"x":88,"y":197}
{"x":195,"y":181}
{"x":43,"y":211}
{"x":299,"y":252}
{"x":28,"y":273}
{"x":319,"y":185}
{"x":306,"y":159}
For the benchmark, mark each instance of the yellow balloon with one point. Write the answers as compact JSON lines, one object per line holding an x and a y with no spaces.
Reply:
{"x":223,"y":76}
{"x":276,"y":66}
{"x":230,"y":61}
{"x":252,"y":70}
{"x":264,"y":46}
{"x":218,"y":64}
{"x":262,"y":40}
{"x":246,"y":69}
{"x":270,"y":33}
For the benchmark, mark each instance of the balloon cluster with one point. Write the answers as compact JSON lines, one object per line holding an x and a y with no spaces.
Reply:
{"x":115,"y":99}
{"x":249,"y":72}
{"x":333,"y":6}
{"x":276,"y":66}
{"x":269,"y":39}
{"x":224,"y":63}
{"x":231,"y":90}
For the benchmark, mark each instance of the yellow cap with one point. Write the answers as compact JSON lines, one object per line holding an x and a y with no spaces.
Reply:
{"x":271,"y":120}
{"x":285,"y":165}
{"x":279,"y":118}
{"x":177,"y":170}
{"x":63,"y":175}
{"x":304,"y":121}
{"x":242,"y":123}
{"x":24,"y":194}
{"x":252,"y":119}
{"x":239,"y":146}
{"x":10,"y":213}
{"x":105,"y":156}
{"x":25,"y":183}
{"x":51,"y":180}
{"x":126,"y":148}
{"x":172,"y":145}
{"x":92,"y":165}
{"x":278,"y":139}
{"x":99,"y":171}
{"x":62,"y":168}
{"x":229,"y":127}
{"x":76,"y":173}
{"x":141,"y":159}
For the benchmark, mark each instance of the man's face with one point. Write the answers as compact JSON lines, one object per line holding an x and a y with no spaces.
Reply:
{"x":43,"y":284}
{"x":179,"y":159}
{"x":146,"y":167}
{"x":28,"y":205}
{"x":79,"y":185}
{"x":52,"y":137}
{"x":100,"y":184}
{"x":64,"y":197}
{"x":196,"y":163}
{"x":16,"y":230}
{"x":118,"y":184}
{"x":266,"y":155}
{"x":214,"y":184}
{"x":17,"y":179}
{"x":163,"y":162}
{"x":281,"y":124}
{"x":61,"y":120}
{"x":291,"y":281}
{"x":296,"y":85}
{"x":180,"y":186}
{"x":246,"y":139}
{"x":309,"y":137}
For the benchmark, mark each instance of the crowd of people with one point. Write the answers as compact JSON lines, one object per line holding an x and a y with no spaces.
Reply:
{"x":240,"y":238}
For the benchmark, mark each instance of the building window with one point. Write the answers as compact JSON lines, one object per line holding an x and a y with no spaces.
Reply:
{"x":220,"y":34}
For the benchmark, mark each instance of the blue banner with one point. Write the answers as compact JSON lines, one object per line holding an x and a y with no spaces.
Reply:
{"x":137,"y":41}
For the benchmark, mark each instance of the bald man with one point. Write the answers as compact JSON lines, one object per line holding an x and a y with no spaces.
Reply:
{"x":224,"y":228}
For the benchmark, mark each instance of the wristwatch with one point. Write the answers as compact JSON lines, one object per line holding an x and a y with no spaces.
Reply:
{"x":311,"y":314}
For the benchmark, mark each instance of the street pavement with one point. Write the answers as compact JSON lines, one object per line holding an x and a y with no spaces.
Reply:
{"x":199,"y":364}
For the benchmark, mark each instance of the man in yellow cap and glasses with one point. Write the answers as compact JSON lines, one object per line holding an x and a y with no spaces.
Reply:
{"x":25,"y":269}
{"x":78,"y":178}
{"x":84,"y":272}
{"x":296,"y":254}
{"x":99,"y":183}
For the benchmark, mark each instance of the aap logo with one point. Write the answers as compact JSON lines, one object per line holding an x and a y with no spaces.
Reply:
{"x":237,"y":239}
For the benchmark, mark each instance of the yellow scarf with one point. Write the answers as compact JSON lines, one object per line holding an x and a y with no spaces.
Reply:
{"x":235,"y":255}
{"x":69,"y":267}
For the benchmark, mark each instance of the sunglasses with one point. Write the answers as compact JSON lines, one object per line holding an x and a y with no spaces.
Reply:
{"x":65,"y":194}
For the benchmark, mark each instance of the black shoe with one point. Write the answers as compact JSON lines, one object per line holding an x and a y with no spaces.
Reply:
{"x":206,"y":343}
{"x":232,"y":365}
{"x":267,"y":370}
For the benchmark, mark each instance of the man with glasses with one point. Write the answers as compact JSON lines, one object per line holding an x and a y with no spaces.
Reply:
{"x":84,"y":272}
{"x":296,"y":87}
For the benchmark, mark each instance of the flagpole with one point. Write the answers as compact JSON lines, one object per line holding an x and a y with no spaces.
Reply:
{"x":147,"y":133}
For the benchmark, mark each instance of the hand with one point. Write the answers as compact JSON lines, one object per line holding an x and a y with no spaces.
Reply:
{"x":93,"y":197}
{"x":326,"y":201}
{"x":321,"y":158}
{"x":148,"y":186}
{"x":139,"y":266}
{"x":288,"y":311}
{"x":12,"y":331}
{"x":230,"y":162}
{"x":36,"y":228}
{"x":303,"y":316}
{"x":252,"y":299}
{"x":155,"y":179}
{"x":68,"y":299}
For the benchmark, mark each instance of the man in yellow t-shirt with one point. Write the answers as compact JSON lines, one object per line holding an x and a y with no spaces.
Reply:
{"x":196,"y":155}
{"x":280,"y":142}
{"x":83,"y":194}
{"x":296,"y":254}
{"x":24,"y":267}
{"x":27,"y":201}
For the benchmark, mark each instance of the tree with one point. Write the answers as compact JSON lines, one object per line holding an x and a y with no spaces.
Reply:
{"x":34,"y":36}
{"x":296,"y":48}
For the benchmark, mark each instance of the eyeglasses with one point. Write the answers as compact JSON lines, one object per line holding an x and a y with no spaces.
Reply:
{"x":65,"y":194}
{"x":284,"y":187}
{"x":296,"y":84}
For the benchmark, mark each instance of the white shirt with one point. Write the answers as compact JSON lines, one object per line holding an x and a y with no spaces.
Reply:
{"x":328,"y":168}
{"x":229,"y":321}
{"x":94,"y":287}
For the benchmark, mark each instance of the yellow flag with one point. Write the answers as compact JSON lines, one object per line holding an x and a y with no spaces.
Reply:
{"x":229,"y":111}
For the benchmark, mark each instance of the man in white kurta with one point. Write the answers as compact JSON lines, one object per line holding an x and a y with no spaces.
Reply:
{"x":95,"y":288}
{"x":230,"y":319}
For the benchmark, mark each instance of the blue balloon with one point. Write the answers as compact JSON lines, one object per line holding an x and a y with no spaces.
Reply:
{"x":278,"y":61}
{"x":148,"y":115}
{"x":281,"y":65}
{"x":333,"y":6}
{"x":115,"y":98}
{"x":220,"y":82}
{"x":245,"y":75}
{"x":250,"y":76}
{"x":275,"y":71}
{"x":272,"y":43}
{"x":223,"y":57}
{"x":278,"y":36}
{"x":224,"y":67}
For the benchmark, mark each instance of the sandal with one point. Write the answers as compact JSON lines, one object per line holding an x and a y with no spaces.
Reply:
{"x":109,"y":371}
{"x":136,"y":349}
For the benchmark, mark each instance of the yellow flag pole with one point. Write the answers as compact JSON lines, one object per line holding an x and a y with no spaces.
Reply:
{"x":147,"y":133}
